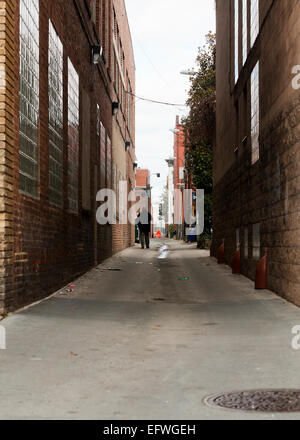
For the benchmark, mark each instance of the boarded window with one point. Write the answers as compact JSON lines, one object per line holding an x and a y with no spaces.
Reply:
{"x":86,"y":151}
{"x":55,"y":117}
{"x":29,"y":96}
{"x":73,"y":137}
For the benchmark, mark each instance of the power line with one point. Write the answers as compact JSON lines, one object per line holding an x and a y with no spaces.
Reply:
{"x":163,"y":79}
{"x":156,"y":102}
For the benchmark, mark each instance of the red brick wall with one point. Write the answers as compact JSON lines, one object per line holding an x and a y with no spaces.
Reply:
{"x":268,"y":191}
{"x":142,"y":178}
{"x":50,"y":245}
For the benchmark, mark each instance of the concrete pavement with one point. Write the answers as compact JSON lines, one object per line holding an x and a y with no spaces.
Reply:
{"x":133,"y":341}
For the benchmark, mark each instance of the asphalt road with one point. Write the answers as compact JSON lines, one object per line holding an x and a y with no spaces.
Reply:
{"x":142,"y":337}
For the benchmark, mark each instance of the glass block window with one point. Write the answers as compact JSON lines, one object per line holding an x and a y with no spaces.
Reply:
{"x":73,"y":137}
{"x":102,"y":156}
{"x":256,"y":241}
{"x":98,"y":120}
{"x":255,"y":113}
{"x":109,"y":160}
{"x":29,"y":96}
{"x":236,"y":40}
{"x":55,"y":117}
{"x":254,"y":21}
{"x":245,"y":30}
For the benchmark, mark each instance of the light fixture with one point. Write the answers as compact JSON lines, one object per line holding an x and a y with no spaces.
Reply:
{"x":135,"y":165}
{"x":96,"y":54}
{"x":188,"y":72}
{"x":127,"y":145}
{"x":115,"y":107}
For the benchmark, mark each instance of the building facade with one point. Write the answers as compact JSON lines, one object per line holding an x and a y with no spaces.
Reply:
{"x":143,"y":186}
{"x":179,"y":177}
{"x":59,"y":90}
{"x":256,"y":158}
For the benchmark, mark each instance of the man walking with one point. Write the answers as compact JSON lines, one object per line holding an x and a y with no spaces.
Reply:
{"x":144,"y":225}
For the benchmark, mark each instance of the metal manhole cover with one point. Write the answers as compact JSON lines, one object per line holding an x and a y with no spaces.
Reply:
{"x":272,"y":401}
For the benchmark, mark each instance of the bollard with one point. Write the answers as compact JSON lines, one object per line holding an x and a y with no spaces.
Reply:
{"x":221,"y":254}
{"x":261,"y":272}
{"x":236,"y":262}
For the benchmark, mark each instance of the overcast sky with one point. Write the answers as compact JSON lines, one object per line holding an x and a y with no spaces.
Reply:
{"x":166,"y":35}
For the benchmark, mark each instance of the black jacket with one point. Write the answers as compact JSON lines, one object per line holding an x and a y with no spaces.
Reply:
{"x":145,"y":227}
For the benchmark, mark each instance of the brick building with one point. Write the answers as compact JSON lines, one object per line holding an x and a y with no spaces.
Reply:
{"x":257,"y":154}
{"x":143,"y":185}
{"x":178,"y":176}
{"x":59,"y":91}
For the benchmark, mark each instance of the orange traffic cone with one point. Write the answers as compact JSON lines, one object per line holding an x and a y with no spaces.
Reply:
{"x":261,"y":272}
{"x":236,"y":262}
{"x":221,"y":254}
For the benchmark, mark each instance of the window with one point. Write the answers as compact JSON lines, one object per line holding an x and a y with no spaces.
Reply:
{"x":245,"y":30}
{"x":102,"y":156}
{"x":256,"y":241}
{"x":255,"y":113}
{"x":246,"y":243}
{"x":109,"y":163}
{"x":236,"y":39}
{"x":237,"y":238}
{"x":73,"y":137}
{"x":29,"y":96}
{"x":55,"y":117}
{"x":98,"y":120}
{"x":254,"y":21}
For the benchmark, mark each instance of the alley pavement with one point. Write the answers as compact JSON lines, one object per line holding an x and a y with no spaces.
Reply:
{"x":149,"y":334}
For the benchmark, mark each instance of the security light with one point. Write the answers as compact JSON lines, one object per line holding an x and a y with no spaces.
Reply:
{"x":96,"y":54}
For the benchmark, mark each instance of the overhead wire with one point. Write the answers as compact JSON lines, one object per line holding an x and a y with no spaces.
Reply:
{"x":161,"y":77}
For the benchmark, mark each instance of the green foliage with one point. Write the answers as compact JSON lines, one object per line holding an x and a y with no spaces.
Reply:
{"x":200,"y":125}
{"x":172,"y":231}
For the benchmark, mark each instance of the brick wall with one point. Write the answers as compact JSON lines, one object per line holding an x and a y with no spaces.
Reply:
{"x":268,"y":191}
{"x":43,"y":247}
{"x":7,"y":96}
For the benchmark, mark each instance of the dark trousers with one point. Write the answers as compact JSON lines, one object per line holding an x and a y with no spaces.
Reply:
{"x":145,"y":237}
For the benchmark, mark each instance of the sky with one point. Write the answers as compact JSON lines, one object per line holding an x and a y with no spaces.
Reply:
{"x":166,"y":36}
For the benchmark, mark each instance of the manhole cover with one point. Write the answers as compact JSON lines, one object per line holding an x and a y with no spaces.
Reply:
{"x":258,"y":401}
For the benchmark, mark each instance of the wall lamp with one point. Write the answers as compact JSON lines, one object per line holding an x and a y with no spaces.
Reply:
{"x":115,"y":107}
{"x":135,"y":165}
{"x":97,"y":52}
{"x":127,"y":145}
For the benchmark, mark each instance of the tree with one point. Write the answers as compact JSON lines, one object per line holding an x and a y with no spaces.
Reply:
{"x":200,"y":125}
